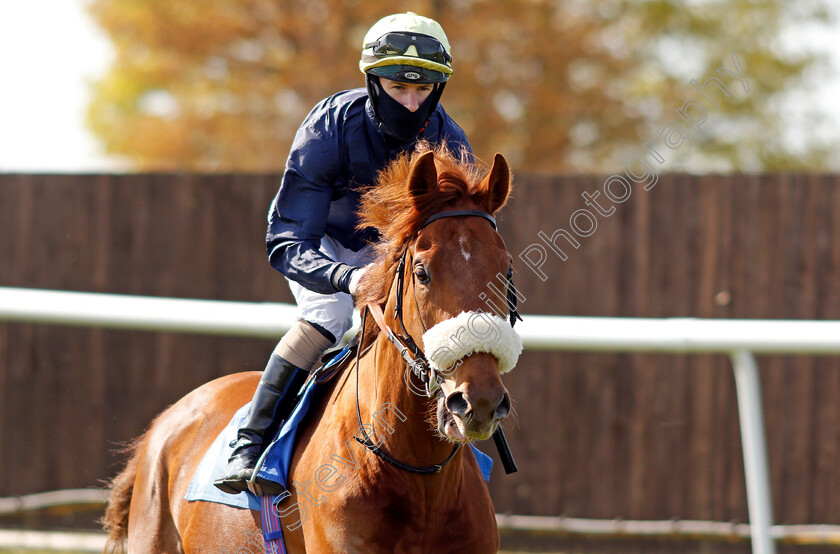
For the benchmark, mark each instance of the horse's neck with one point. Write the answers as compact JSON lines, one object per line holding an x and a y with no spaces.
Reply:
{"x":399,"y":415}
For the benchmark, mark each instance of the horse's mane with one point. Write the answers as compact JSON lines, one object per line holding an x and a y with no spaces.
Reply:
{"x":389,"y":207}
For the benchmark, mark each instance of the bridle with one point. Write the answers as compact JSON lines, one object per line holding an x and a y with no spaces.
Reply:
{"x":411,"y":354}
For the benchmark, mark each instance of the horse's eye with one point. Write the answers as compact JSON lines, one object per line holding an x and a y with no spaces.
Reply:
{"x":510,"y":273}
{"x":421,"y":274}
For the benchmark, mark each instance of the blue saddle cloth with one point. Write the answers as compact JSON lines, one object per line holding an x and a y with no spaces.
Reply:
{"x":275,"y":462}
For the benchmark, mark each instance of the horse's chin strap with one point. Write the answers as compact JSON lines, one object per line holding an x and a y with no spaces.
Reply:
{"x":420,"y":366}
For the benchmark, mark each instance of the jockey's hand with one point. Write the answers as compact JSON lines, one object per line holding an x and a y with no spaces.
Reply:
{"x":354,"y":280}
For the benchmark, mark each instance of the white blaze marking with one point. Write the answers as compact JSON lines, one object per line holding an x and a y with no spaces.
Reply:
{"x":463,"y":241}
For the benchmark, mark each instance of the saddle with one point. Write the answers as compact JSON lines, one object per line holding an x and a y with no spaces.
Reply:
{"x":274,"y":462}
{"x":332,"y":362}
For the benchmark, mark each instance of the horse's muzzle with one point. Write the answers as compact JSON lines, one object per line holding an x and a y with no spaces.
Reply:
{"x":467,"y":416}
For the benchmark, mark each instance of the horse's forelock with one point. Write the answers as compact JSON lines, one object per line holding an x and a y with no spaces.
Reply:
{"x":389,"y":207}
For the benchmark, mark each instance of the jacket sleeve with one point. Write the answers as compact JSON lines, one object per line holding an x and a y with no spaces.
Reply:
{"x":298,"y":215}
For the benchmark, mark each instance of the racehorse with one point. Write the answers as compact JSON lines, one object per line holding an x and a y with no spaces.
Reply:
{"x":403,"y":484}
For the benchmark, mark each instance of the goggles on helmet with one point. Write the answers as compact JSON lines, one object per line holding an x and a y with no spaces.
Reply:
{"x":397,"y":44}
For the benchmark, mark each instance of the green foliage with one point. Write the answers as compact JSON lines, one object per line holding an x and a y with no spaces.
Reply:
{"x":222,"y":85}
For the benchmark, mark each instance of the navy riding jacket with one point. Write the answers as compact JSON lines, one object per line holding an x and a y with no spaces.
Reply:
{"x":337,"y":150}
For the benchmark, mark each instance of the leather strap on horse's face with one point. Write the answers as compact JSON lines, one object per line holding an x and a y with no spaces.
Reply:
{"x":365,"y":440}
{"x":512,"y":295}
{"x":405,"y":343}
{"x":418,"y":362}
{"x":412,"y":354}
{"x":459,"y":213}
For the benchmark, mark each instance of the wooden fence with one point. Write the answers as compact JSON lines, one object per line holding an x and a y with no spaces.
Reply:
{"x":596,"y":435}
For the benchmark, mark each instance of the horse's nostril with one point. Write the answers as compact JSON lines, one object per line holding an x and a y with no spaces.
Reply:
{"x":457,"y":404}
{"x":503,"y":409}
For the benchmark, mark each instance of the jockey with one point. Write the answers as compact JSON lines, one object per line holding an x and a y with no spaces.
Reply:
{"x":312,"y":237}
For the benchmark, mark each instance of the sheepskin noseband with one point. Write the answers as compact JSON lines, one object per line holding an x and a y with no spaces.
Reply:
{"x":451,"y":340}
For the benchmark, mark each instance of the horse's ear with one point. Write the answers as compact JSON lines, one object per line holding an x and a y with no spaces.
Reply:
{"x":497,"y":184}
{"x":422,"y":177}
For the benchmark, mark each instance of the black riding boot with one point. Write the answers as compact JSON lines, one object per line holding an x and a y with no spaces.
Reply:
{"x":273,"y":402}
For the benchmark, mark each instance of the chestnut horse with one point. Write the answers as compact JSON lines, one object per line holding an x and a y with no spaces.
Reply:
{"x":345,"y":498}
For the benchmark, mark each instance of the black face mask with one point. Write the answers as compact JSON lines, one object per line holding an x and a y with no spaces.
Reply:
{"x":395,"y":120}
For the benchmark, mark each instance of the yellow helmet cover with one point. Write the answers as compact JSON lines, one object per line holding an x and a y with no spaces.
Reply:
{"x":397,"y":43}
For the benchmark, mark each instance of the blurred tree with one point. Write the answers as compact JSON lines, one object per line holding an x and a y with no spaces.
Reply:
{"x":556,"y":85}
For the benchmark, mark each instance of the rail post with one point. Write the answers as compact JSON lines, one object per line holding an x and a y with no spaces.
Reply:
{"x":753,"y":443}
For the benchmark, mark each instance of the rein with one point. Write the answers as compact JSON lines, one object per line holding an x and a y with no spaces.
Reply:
{"x":417,"y":364}
{"x":412,"y":355}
